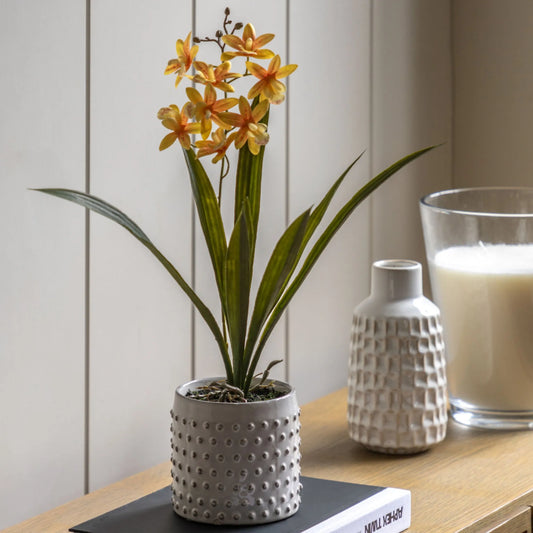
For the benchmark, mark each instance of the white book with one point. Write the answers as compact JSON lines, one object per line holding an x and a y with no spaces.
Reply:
{"x":387,"y":511}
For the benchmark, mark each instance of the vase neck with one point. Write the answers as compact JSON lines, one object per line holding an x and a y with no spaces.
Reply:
{"x":396,"y":279}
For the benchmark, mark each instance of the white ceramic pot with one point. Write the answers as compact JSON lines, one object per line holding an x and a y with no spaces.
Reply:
{"x":397,"y":378}
{"x":235,"y":463}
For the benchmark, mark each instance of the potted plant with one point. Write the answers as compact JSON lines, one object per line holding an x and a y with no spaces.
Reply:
{"x":235,"y":439}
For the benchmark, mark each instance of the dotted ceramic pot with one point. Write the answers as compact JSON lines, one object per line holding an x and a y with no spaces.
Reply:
{"x":397,"y":378}
{"x":235,"y":463}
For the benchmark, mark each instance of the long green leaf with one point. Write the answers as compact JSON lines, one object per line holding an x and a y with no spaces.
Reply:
{"x":238,"y":277}
{"x":323,"y":241}
{"x":109,"y":211}
{"x":247,"y":210}
{"x":209,"y":215}
{"x":278,"y":270}
{"x":248,"y":179}
{"x":318,"y":213}
{"x":316,"y":217}
{"x":101,"y":207}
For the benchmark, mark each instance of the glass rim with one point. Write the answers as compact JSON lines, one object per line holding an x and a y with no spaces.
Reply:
{"x":424,"y":201}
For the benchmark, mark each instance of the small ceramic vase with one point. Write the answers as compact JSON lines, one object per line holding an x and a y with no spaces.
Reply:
{"x":397,"y":378}
{"x":235,"y":463}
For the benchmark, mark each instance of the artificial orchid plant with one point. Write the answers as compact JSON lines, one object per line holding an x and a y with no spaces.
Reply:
{"x":244,"y":326}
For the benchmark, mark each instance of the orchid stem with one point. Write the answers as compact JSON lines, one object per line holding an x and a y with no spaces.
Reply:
{"x":220,"y":181}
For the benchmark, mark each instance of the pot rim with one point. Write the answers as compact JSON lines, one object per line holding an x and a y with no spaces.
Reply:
{"x":279,"y":385}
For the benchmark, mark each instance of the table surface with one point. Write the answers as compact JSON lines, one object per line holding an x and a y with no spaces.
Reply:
{"x":455,"y":485}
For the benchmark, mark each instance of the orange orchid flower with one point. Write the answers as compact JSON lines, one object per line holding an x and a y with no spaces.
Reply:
{"x":250,"y":129}
{"x":185,"y":59}
{"x":208,"y":108}
{"x":179,"y":123}
{"x":249,"y":45}
{"x":218,"y":145}
{"x":269,"y":86}
{"x":215,"y":76}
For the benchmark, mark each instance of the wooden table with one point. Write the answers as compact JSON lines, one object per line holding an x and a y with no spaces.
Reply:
{"x":474,"y":481}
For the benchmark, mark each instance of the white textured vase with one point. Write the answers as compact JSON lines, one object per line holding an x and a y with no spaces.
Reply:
{"x":235,"y":463}
{"x":397,"y":400}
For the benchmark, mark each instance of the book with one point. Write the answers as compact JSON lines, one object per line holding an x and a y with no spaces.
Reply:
{"x":327,"y":507}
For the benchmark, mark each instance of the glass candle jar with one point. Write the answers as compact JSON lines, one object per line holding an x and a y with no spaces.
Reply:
{"x":479,"y":245}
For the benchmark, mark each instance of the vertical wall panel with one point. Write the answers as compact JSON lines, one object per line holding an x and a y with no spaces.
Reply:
{"x":412,"y":105}
{"x":493,"y":113}
{"x":42,"y":144}
{"x":209,"y":18}
{"x":329,"y":127}
{"x":140,"y":319}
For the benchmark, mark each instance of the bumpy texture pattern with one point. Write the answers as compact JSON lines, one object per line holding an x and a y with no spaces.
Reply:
{"x":397,"y":383}
{"x":226,"y":472}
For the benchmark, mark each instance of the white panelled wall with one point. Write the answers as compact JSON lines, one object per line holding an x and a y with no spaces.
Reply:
{"x":42,"y":265}
{"x":493,"y":88}
{"x":412,"y":105}
{"x":94,"y":334}
{"x":140,"y":321}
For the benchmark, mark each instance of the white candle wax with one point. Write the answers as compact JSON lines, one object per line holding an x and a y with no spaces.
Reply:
{"x":485,"y":294}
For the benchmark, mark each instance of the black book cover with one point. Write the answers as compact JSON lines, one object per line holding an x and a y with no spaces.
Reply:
{"x":321,"y":499}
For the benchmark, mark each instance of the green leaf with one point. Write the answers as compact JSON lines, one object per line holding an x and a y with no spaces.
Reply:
{"x":248,"y":179}
{"x":209,"y":215}
{"x":277,"y":272}
{"x":323,"y":241}
{"x":251,"y":232}
{"x":238,"y":278}
{"x":316,"y":217}
{"x":318,"y":213}
{"x":103,"y":208}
